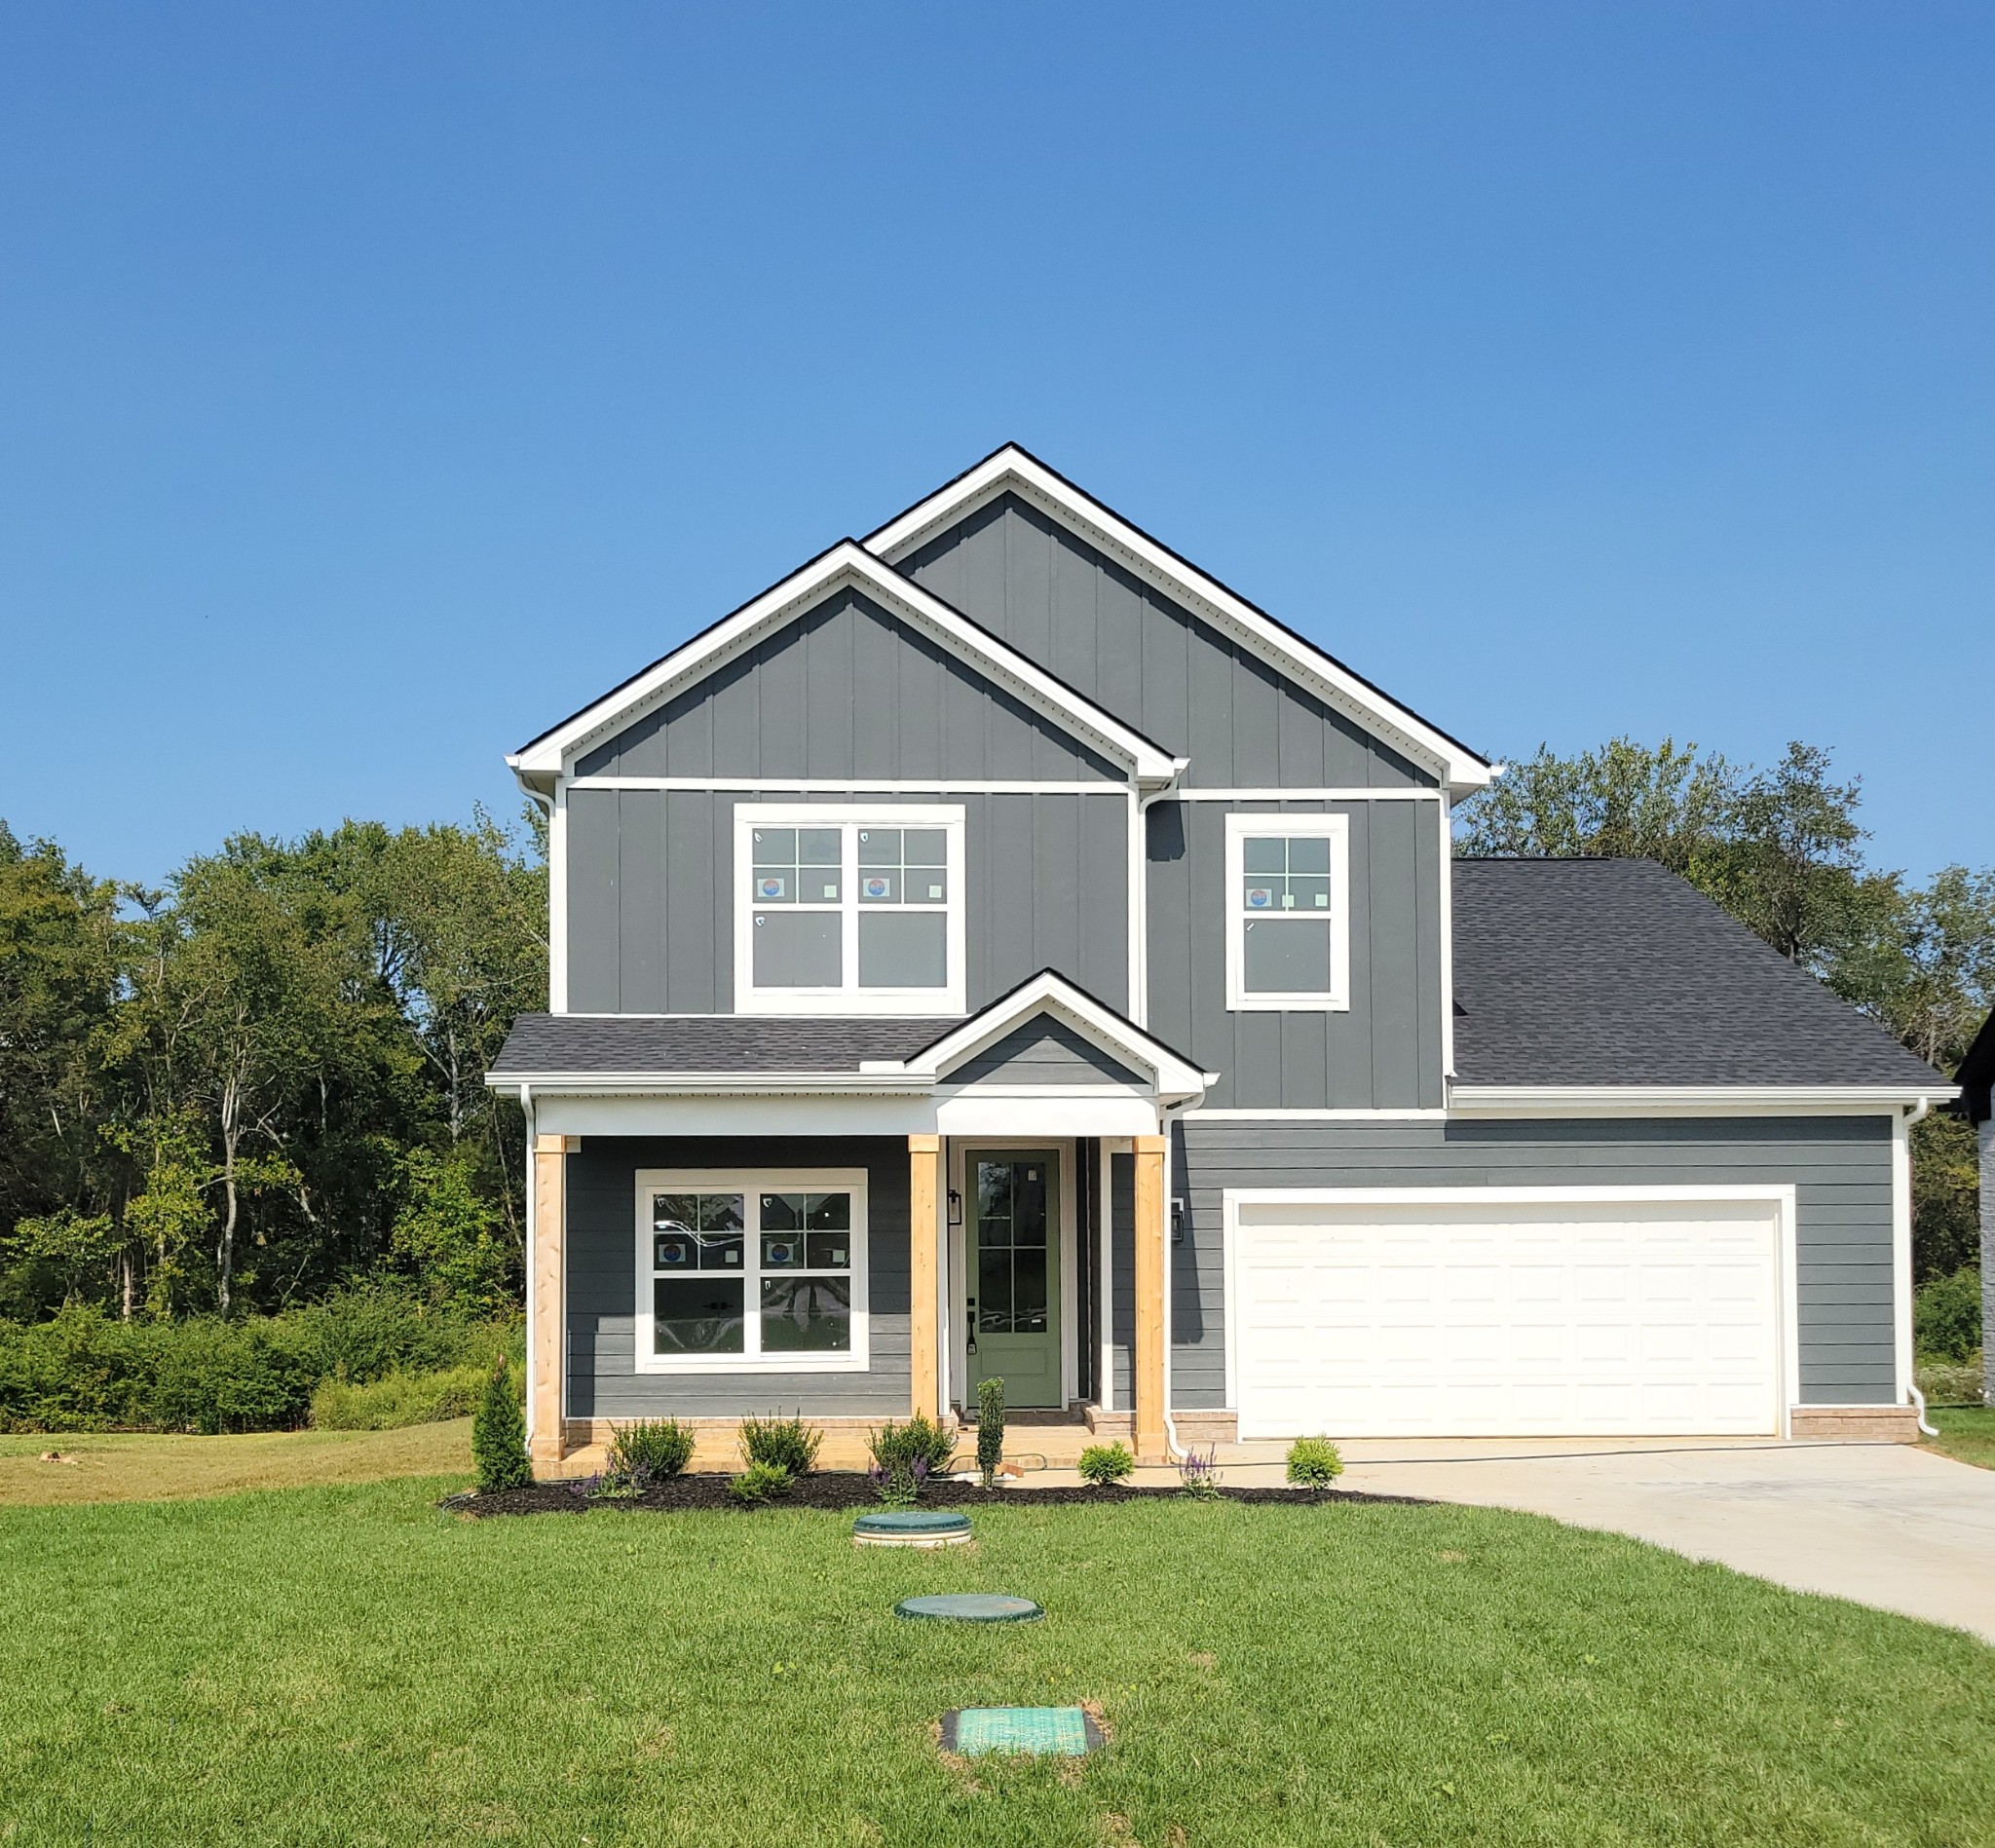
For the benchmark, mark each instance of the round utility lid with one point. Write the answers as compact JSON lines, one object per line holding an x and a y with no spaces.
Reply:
{"x":970,"y":1607}
{"x":906,"y":1521}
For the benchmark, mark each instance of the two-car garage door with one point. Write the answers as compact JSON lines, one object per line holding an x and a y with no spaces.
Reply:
{"x":1431,"y":1315}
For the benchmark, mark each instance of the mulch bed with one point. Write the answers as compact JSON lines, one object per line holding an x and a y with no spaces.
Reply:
{"x":840,"y":1490}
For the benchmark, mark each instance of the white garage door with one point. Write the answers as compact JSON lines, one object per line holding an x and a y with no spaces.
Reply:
{"x":1533,"y":1317}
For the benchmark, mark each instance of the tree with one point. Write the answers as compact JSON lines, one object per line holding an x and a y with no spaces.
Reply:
{"x":449,"y":1234}
{"x":499,"y":1436}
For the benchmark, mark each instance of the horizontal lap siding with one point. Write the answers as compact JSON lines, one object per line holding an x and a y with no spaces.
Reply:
{"x":1047,"y":887}
{"x":602,"y":1284}
{"x":1840,"y":1168}
{"x":1043,"y":1052}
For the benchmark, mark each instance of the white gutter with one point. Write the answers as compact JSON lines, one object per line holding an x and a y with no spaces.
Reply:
{"x":1914,"y":1117}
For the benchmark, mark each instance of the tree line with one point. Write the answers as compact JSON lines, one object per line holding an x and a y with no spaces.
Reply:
{"x":263,"y":1083}
{"x":264,"y":1080}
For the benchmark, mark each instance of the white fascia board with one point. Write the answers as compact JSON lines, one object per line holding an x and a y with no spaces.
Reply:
{"x":898,"y":1083}
{"x":1050,"y":993}
{"x":1641,"y":1100}
{"x":845,"y":563}
{"x":1013,"y":468}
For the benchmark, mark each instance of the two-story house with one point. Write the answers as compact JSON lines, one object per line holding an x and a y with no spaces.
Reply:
{"x":1002,"y":947}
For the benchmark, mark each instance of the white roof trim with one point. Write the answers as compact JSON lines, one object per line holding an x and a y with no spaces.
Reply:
{"x":1050,"y":993}
{"x":1617,"y":1099}
{"x":1013,"y":468}
{"x":845,"y":563}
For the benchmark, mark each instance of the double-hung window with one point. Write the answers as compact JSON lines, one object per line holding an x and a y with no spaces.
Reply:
{"x":848,"y":909}
{"x":763,"y":1271}
{"x":1288,"y":912}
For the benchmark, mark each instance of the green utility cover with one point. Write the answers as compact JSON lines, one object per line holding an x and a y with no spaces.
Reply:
{"x":1059,"y":1731}
{"x":913,"y":1521}
{"x":971,"y":1607}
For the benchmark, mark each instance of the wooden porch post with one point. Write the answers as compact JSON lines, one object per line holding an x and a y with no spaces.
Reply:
{"x":1151,"y":1445}
{"x":924,"y":1189}
{"x":547,"y":1444}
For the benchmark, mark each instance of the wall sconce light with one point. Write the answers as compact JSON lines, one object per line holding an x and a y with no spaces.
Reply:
{"x":1177,"y":1221}
{"x":955,"y":1207}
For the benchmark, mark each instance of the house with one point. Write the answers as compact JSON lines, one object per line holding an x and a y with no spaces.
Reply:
{"x":1977,"y":1081}
{"x":1000,"y":948}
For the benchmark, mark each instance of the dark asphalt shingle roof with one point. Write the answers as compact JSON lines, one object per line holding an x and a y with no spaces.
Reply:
{"x":604,"y":1044}
{"x":1619,"y":972}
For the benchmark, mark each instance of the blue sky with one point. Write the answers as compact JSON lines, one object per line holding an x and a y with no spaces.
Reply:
{"x":380,"y":383}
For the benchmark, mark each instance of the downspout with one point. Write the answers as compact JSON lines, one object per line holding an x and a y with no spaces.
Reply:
{"x":1915,"y":1117}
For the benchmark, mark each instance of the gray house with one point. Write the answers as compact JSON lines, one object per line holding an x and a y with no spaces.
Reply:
{"x":1000,"y":948}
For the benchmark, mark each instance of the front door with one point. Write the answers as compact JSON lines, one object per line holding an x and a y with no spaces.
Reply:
{"x":1011,"y":1236}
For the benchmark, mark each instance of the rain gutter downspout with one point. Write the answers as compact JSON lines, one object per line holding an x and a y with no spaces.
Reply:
{"x":1914,"y":1117}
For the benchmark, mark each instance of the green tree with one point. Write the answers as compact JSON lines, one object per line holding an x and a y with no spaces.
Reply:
{"x":449,"y":1234}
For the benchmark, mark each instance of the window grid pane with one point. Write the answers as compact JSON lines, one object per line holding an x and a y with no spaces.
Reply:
{"x":1285,"y":873}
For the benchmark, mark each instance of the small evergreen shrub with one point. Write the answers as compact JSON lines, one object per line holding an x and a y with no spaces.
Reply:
{"x":905,"y":1456}
{"x":651,"y":1447}
{"x":785,"y":1444}
{"x":1102,"y":1463}
{"x":499,"y":1436}
{"x":1946,"y":1316}
{"x":1314,"y":1462}
{"x":398,"y":1399}
{"x":990,"y":1428}
{"x":1198,"y":1476}
{"x":759,"y":1482}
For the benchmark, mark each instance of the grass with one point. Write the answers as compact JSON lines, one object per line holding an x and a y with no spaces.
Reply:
{"x":347,"y":1665}
{"x":116,"y":1468}
{"x":1967,"y":1433}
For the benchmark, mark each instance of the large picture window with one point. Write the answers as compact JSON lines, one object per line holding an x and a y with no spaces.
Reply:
{"x":1288,"y":912}
{"x":757,"y":1272}
{"x":847,"y":910}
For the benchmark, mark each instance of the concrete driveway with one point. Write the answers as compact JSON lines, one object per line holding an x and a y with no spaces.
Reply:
{"x":1882,"y":1523}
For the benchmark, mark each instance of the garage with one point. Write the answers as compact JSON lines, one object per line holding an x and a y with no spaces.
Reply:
{"x":1508,"y":1312}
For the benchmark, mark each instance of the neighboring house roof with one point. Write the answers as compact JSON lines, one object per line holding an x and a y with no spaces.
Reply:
{"x":847,"y":564}
{"x":1012,"y":470}
{"x":1599,"y":972}
{"x":1976,"y":1074}
{"x":758,"y":1051}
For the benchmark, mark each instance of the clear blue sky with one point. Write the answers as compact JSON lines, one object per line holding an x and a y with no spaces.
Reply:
{"x":379,"y":383}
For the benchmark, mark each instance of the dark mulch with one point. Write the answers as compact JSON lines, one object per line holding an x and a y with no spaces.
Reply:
{"x":837,"y":1490}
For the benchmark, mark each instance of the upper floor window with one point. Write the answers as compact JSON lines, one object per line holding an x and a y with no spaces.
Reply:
{"x":848,"y":909}
{"x":1288,"y":912}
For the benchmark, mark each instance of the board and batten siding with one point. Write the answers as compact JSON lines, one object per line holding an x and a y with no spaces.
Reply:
{"x":1840,"y":1168}
{"x":1145,"y":657}
{"x":1381,"y":1053}
{"x":603,"y":1381}
{"x":848,"y":689}
{"x":1047,"y":886}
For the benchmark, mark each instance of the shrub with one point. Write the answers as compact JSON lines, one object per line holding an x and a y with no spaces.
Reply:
{"x":499,"y":1436}
{"x":651,"y":1448}
{"x":759,"y":1482}
{"x":785,"y":1444}
{"x":990,"y":1428}
{"x":1106,"y":1463}
{"x":1198,"y":1476}
{"x":397,"y":1400}
{"x":905,"y":1456}
{"x":1314,"y":1462}
{"x":1946,"y":1316}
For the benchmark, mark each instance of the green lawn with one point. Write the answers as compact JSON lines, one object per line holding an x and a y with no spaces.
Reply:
{"x":346,"y":1665}
{"x":1966,"y":1432}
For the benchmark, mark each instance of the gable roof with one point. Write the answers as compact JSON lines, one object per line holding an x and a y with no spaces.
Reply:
{"x":1976,"y":1074}
{"x":1015,"y":471}
{"x":1610,"y":972}
{"x":846,"y":565}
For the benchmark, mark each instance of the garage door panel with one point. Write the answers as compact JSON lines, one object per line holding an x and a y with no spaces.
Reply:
{"x":1507,"y":1319}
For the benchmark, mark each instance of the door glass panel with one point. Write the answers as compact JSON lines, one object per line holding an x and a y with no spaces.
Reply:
{"x":1029,"y":1204}
{"x":1029,"y":1291}
{"x":1013,"y":1227}
{"x":994,"y":1288}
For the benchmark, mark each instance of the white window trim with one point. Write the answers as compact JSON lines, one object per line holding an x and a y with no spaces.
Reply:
{"x":848,"y":999}
{"x":749,"y":1182}
{"x":1336,"y":830}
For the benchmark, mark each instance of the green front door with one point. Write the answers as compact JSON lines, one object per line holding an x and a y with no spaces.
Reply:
{"x":1012,"y":1252}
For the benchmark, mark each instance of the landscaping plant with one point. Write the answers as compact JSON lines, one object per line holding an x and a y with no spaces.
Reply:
{"x":657,"y":1447}
{"x":1103,"y":1464}
{"x":398,"y":1400}
{"x":1198,"y":1476}
{"x":990,"y":1427}
{"x":759,"y":1482}
{"x":499,"y":1436}
{"x":1314,"y":1462}
{"x":905,"y":1456}
{"x":786,"y":1444}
